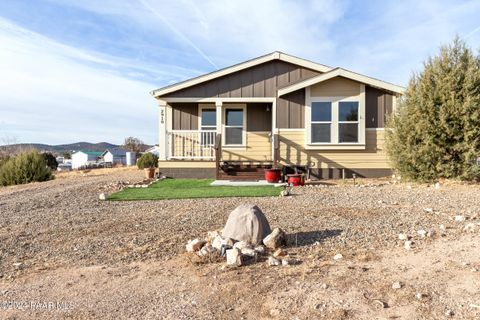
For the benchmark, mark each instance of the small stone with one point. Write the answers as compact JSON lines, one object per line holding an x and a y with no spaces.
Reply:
{"x":275,"y":239}
{"x":274,"y":313}
{"x":408,"y":245}
{"x":449,"y":313}
{"x":212,"y":235}
{"x":279,"y":253}
{"x":249,"y":252}
{"x":442,"y":227}
{"x":260,"y":249}
{"x":324,"y":286}
{"x":102,"y":196}
{"x":18,"y":264}
{"x":459,"y":218}
{"x":431,"y":233}
{"x":469,"y":227}
{"x":437,"y":185}
{"x":397,"y":285}
{"x":241,"y":245}
{"x":429,"y":210}
{"x":422,"y":233}
{"x":207,"y":250}
{"x":194,"y":245}
{"x":289,"y":262}
{"x":234,"y":257}
{"x":409,"y":187}
{"x":420,"y":295}
{"x":217,"y":243}
{"x":338,"y":256}
{"x":272,"y":261}
{"x":402,"y":236}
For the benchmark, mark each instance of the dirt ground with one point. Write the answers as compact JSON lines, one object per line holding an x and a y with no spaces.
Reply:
{"x":66,"y":254}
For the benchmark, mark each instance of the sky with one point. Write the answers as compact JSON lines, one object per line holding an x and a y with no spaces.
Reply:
{"x":82,"y":70}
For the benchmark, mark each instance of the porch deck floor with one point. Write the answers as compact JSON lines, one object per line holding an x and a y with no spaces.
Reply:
{"x":239,"y":183}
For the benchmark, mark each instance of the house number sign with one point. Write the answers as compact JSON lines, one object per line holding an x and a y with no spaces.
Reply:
{"x":162,"y":116}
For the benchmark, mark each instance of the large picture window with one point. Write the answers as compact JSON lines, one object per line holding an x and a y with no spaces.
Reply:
{"x":234,"y":126}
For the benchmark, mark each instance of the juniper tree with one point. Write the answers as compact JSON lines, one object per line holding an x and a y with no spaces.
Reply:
{"x":435,"y":132}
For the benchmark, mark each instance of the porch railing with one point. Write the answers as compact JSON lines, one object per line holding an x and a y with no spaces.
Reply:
{"x":191,"y":144}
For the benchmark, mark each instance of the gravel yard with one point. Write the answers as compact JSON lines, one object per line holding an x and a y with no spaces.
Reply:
{"x":96,"y":259}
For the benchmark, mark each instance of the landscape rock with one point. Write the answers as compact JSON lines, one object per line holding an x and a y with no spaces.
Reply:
{"x":102,"y":196}
{"x":469,"y":227}
{"x":207,"y":250}
{"x":241,"y":245}
{"x":260,"y":249}
{"x":397,"y":285}
{"x":459,"y":218}
{"x":449,"y":313}
{"x":402,"y":236}
{"x":217,"y":242}
{"x":279,"y":253}
{"x":431,"y":233}
{"x":195,"y":245}
{"x":211,"y":235}
{"x":249,"y":252}
{"x":338,"y":256}
{"x":275,"y":239}
{"x":422,"y":233}
{"x":272,"y":261}
{"x":234,"y":257}
{"x":408,"y":245}
{"x":247,"y":223}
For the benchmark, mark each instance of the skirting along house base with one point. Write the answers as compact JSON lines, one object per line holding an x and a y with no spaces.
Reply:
{"x":275,"y":110}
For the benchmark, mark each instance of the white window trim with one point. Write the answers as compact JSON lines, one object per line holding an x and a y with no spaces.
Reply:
{"x":200,"y":109}
{"x":244,"y":129}
{"x":334,"y":144}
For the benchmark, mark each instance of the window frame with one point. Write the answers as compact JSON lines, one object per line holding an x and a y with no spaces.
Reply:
{"x":242,"y":107}
{"x":349,"y":122}
{"x":200,"y":126}
{"x":312,"y":122}
{"x":334,"y":130}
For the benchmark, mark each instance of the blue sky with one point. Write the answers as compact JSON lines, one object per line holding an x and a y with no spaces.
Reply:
{"x":82,"y":70}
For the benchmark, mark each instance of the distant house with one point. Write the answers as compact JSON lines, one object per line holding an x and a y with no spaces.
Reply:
{"x":115,"y":156}
{"x":84,"y":158}
{"x":154,"y":150}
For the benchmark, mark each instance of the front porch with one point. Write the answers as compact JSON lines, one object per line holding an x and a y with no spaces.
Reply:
{"x":235,"y":139}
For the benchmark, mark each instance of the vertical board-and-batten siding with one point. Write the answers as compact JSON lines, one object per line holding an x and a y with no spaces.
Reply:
{"x":379,"y":106}
{"x":259,"y":81}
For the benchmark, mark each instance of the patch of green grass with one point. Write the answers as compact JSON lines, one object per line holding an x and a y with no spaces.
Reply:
{"x":191,"y":188}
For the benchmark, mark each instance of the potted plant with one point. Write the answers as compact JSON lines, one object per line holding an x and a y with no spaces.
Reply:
{"x":148,"y":162}
{"x":273,"y":175}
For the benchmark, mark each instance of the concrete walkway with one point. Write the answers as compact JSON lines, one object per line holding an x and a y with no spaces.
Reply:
{"x":237,"y":183}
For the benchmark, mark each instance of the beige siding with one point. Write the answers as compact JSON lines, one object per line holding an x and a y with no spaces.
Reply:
{"x":292,"y":151}
{"x":336,"y":87}
{"x":258,"y":149}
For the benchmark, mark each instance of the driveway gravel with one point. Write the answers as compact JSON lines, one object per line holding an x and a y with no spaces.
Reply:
{"x":66,"y":254}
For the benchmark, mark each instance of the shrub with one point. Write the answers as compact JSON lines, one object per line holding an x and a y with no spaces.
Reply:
{"x":147,"y":160}
{"x":435,"y":132}
{"x":24,"y":168}
{"x":50,"y":160}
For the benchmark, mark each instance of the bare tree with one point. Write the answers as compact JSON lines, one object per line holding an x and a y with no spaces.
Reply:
{"x":133,"y":144}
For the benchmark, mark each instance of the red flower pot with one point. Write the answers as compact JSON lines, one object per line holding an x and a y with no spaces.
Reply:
{"x":273,"y":175}
{"x":296,"y":180}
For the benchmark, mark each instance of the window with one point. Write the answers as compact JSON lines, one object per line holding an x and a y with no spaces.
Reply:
{"x":208,"y":126}
{"x":321,"y":122}
{"x":335,"y":122}
{"x":234,"y":126}
{"x":348,"y":121}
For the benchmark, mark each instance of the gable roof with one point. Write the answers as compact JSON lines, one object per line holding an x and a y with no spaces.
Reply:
{"x":90,"y":153}
{"x":116,"y":152}
{"x":340,"y":72}
{"x":277,"y":55}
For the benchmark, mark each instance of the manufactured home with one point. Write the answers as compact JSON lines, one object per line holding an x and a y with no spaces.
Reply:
{"x":275,"y":110}
{"x":115,"y":156}
{"x":82,"y":159}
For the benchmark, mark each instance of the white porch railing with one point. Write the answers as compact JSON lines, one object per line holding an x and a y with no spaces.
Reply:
{"x":191,"y":144}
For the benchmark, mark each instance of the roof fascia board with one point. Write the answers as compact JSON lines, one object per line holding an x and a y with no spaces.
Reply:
{"x":343,"y":73}
{"x":239,"y":67}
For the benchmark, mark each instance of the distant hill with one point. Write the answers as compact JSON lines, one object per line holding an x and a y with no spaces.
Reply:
{"x":60,"y":148}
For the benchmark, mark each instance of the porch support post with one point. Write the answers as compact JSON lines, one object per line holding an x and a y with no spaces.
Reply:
{"x":162,"y":127}
{"x":218,"y":106}
{"x":274,"y":134}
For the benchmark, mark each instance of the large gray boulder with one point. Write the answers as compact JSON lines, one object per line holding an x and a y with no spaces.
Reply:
{"x":247,"y":223}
